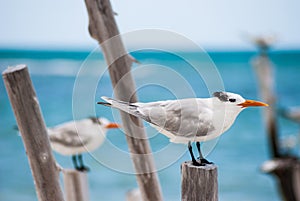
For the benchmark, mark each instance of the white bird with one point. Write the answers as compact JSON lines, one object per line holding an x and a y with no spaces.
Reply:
{"x":76,"y":137}
{"x":189,"y":120}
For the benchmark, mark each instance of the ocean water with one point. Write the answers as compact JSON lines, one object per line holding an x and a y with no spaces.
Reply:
{"x":68,"y":84}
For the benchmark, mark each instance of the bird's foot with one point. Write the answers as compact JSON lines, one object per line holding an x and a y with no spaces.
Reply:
{"x":195,"y":163}
{"x":204,"y":162}
{"x":83,"y":169}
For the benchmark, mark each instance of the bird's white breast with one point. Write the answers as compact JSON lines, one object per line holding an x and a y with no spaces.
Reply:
{"x":217,"y":119}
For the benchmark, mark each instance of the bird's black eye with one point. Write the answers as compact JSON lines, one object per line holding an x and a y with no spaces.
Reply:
{"x":232,"y":100}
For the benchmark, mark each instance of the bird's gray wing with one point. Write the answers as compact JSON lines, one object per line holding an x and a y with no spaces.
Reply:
{"x":68,"y":138}
{"x":186,"y":117}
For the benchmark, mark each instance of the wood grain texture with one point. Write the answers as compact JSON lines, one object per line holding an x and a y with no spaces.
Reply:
{"x":76,"y":185}
{"x":33,"y":131}
{"x":103,"y":28}
{"x":199,"y":183}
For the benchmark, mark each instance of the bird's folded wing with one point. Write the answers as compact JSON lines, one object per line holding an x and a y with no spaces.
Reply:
{"x":186,"y":117}
{"x":68,"y":138}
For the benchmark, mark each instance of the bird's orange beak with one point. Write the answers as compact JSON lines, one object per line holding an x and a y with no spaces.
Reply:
{"x":112,"y":125}
{"x":251,"y":103}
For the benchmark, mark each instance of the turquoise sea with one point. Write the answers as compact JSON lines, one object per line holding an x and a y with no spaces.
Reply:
{"x":68,"y":84}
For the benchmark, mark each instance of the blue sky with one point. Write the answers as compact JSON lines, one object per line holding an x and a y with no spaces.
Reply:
{"x":62,"y":24}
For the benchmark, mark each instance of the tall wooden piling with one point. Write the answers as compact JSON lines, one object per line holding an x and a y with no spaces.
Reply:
{"x":33,"y":131}
{"x":265,"y":74}
{"x":285,"y":167}
{"x":199,"y":183}
{"x":103,"y":28}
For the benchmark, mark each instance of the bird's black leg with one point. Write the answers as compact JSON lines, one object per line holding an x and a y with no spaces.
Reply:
{"x":199,"y":150}
{"x":192,"y":155}
{"x":82,"y":166}
{"x":203,"y":161}
{"x":74,"y":159}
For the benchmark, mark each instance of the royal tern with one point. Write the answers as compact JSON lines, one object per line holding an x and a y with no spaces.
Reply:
{"x":74,"y":138}
{"x":189,"y":120}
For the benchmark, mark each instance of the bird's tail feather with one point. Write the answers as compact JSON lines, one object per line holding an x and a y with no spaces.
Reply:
{"x":130,"y":108}
{"x":104,"y":103}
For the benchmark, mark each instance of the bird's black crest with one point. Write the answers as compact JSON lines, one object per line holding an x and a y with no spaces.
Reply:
{"x":94,"y":119}
{"x":221,"y":96}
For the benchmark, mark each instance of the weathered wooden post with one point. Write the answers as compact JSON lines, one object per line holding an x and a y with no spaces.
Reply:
{"x":103,"y":28}
{"x":285,"y":168}
{"x":75,"y":185}
{"x":33,"y":130}
{"x":199,"y":183}
{"x":265,"y":74}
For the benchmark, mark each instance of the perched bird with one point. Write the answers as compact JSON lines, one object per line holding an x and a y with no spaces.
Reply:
{"x":189,"y":120}
{"x":74,"y":138}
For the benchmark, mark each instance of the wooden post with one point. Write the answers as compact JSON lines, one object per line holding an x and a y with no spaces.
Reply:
{"x":33,"y":130}
{"x":199,"y":183}
{"x":285,"y":171}
{"x":284,"y":167}
{"x":75,"y":185}
{"x":264,"y":71}
{"x":103,"y":28}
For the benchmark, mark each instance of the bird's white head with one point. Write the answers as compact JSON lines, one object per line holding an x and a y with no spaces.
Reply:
{"x":104,"y":123}
{"x":237,"y":101}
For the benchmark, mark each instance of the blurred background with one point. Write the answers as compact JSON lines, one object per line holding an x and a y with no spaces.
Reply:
{"x":52,"y":39}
